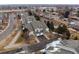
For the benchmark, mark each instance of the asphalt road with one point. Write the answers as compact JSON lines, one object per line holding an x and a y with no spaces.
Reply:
{"x":40,"y":45}
{"x":9,"y":29}
{"x":12,"y":51}
{"x":68,"y":49}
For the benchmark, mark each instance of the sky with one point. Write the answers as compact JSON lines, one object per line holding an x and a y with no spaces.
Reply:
{"x":4,"y":2}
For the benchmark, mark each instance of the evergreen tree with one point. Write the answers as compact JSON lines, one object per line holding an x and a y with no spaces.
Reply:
{"x":61,"y":29}
{"x":29,"y":13}
{"x":78,"y":13}
{"x":20,"y":7}
{"x":52,"y":10}
{"x":19,"y":16}
{"x":44,"y":10}
{"x":67,"y":34}
{"x":66,"y":14}
{"x":37,"y":17}
{"x":76,"y":38}
{"x":25,"y":30}
{"x":50,"y":25}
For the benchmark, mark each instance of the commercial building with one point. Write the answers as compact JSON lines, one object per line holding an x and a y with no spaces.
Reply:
{"x":34,"y":26}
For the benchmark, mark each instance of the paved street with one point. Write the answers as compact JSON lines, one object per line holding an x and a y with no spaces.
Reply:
{"x":12,"y":51}
{"x":9,"y":29}
{"x":40,"y":45}
{"x":68,"y":49}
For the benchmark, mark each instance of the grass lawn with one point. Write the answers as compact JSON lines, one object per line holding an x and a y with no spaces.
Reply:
{"x":20,"y":39}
